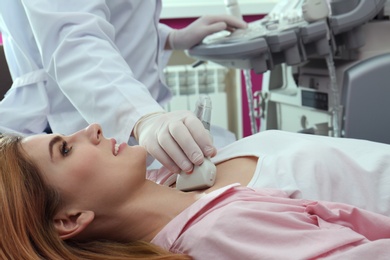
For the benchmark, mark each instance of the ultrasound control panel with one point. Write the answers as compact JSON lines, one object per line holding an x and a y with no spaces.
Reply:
{"x":291,"y":33}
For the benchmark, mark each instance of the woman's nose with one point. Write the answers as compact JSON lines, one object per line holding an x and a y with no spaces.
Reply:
{"x":94,"y":133}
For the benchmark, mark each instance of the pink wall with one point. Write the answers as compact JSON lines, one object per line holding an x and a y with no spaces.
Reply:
{"x":256,"y":79}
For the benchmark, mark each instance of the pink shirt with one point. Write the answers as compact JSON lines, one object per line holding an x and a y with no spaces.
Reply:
{"x":240,"y":223}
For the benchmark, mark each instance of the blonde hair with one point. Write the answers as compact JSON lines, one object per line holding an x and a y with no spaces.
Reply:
{"x":27,"y":207}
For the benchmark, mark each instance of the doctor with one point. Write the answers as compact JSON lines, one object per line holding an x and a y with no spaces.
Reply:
{"x":76,"y":62}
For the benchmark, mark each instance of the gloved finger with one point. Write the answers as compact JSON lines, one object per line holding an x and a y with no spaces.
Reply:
{"x":213,"y":28}
{"x":232,"y":29}
{"x":229,"y":20}
{"x":174,"y":151}
{"x":186,"y":141}
{"x":201,"y":136}
{"x":160,"y":155}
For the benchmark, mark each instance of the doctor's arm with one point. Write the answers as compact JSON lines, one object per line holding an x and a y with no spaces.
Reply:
{"x":78,"y":50}
{"x":77,"y":46}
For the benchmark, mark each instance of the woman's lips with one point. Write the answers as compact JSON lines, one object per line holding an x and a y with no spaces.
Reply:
{"x":116,"y":148}
{"x":119,"y":148}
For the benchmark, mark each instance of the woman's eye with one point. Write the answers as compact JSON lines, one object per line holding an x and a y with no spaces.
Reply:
{"x":65,"y":149}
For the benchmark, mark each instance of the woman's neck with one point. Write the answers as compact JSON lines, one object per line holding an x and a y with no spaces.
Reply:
{"x":152,"y":206}
{"x":149,"y":210}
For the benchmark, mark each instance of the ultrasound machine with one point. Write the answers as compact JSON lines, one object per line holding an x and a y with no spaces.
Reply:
{"x":325,"y":66}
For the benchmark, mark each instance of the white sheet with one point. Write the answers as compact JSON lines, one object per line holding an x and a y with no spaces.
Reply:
{"x":315,"y":167}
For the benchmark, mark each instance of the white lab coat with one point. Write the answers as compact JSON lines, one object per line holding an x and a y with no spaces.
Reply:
{"x":77,"y":62}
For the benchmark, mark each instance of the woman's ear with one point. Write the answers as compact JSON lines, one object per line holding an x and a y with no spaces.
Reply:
{"x":69,"y":225}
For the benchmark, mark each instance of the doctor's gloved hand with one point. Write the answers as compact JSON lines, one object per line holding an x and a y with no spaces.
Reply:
{"x":194,"y":33}
{"x":176,"y":139}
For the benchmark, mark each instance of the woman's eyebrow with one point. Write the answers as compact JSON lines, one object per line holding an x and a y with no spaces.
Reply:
{"x":53,"y":141}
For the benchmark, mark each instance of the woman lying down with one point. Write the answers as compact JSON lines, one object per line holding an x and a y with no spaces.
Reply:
{"x":74,"y":197}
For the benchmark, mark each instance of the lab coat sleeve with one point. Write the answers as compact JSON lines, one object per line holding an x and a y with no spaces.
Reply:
{"x":76,"y":43}
{"x":164,"y":31}
{"x":14,"y":106}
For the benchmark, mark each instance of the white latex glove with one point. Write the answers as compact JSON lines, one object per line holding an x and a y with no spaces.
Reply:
{"x":176,"y":139}
{"x":194,"y":33}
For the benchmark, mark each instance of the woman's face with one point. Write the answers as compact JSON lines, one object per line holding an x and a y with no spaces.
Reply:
{"x":86,"y":168}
